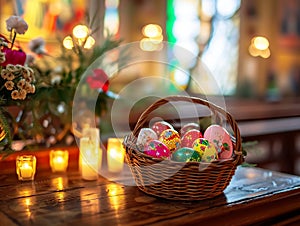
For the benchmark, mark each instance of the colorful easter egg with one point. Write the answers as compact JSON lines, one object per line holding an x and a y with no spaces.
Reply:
{"x":210,"y":154}
{"x":189,"y":126}
{"x":156,"y":149}
{"x":189,"y":137}
{"x":171,"y":139}
{"x":221,"y":139}
{"x":186,"y":155}
{"x":206,"y":149}
{"x":200,"y":144}
{"x":161,"y":126}
{"x":146,"y":135}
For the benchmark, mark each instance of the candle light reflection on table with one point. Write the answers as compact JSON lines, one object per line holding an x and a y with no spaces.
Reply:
{"x":59,"y":183}
{"x":92,"y":198}
{"x":116,"y":196}
{"x":27,"y":204}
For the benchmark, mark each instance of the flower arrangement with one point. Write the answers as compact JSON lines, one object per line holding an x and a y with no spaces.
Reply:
{"x":45,"y":111}
{"x":17,"y":80}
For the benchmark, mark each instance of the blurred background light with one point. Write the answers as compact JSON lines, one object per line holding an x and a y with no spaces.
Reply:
{"x":68,"y":42}
{"x":80,"y":31}
{"x":260,"y":42}
{"x":152,"y":30}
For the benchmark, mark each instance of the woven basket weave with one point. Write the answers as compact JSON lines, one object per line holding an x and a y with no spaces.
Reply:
{"x":181,"y":180}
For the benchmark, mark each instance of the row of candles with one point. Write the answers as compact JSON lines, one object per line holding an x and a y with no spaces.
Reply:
{"x":90,"y":158}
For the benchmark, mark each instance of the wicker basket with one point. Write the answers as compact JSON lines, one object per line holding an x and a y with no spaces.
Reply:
{"x":177,"y":180}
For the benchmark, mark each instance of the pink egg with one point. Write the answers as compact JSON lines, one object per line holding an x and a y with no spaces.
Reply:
{"x":189,"y":137}
{"x":219,"y":136}
{"x":189,"y":126}
{"x":161,"y":126}
{"x":157,"y":149}
{"x":171,"y":139}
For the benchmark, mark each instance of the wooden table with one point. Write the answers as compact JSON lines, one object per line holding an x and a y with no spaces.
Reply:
{"x":255,"y":196}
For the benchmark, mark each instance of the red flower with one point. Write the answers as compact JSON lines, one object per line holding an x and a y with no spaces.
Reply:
{"x":99,"y":80}
{"x":13,"y":57}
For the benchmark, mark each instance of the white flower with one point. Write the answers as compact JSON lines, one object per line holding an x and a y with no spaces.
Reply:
{"x":27,"y":87}
{"x":15,"y":95}
{"x":22,"y":94}
{"x":9,"y":85}
{"x":10,"y":76}
{"x":17,"y":23}
{"x":37,"y":45}
{"x":21,"y":84}
{"x":32,"y":89}
{"x":4,"y":74}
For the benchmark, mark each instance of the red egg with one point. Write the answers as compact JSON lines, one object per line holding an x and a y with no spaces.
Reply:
{"x":189,"y":137}
{"x":189,"y":126}
{"x":161,"y":126}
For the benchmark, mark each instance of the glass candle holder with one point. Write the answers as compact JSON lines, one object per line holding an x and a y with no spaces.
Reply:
{"x":26,"y":167}
{"x":115,"y":155}
{"x":59,"y":160}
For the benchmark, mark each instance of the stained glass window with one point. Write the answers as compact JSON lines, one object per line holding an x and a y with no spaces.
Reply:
{"x":209,"y":29}
{"x":111,"y":17}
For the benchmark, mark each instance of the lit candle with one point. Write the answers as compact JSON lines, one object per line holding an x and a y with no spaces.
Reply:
{"x":115,"y":155}
{"x":59,"y":160}
{"x":26,"y":171}
{"x":26,"y":167}
{"x":90,"y":158}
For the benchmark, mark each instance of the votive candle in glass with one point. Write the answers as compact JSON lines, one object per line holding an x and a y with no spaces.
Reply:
{"x":115,"y":155}
{"x":59,"y":160}
{"x":26,"y":167}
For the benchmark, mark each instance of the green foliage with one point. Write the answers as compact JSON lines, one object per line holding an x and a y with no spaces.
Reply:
{"x":6,"y":133}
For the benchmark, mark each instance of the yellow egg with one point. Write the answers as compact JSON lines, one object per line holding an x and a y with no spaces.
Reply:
{"x":206,"y":149}
{"x":171,"y":139}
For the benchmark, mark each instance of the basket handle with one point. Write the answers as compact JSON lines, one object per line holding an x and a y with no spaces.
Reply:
{"x":214,"y":108}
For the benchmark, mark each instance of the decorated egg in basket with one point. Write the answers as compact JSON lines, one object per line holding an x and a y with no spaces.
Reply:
{"x":146,"y":135}
{"x":189,"y":137}
{"x":189,"y":126}
{"x":206,"y":149}
{"x":210,"y":154}
{"x":219,"y":136}
{"x":186,"y":154}
{"x":156,"y":149}
{"x":160,"y":126}
{"x":171,"y":139}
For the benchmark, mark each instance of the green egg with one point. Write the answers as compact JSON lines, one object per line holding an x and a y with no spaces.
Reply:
{"x":186,"y":155}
